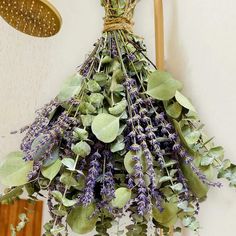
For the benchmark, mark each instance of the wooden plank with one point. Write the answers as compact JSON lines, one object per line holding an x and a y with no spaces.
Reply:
{"x":38,"y":218}
{"x":9,"y":214}
{"x":12,"y":216}
{"x":159,"y":32}
{"x":29,"y":230}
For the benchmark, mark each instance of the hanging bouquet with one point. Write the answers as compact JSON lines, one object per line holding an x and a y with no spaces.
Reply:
{"x":119,"y":139}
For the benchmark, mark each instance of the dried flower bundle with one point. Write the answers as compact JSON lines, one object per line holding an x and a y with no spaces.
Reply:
{"x":119,"y":139}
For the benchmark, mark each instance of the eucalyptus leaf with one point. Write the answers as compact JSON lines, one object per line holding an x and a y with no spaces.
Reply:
{"x":129,"y":163}
{"x":71,"y":87}
{"x":96,"y":99}
{"x":118,"y":75}
{"x":105,"y":127}
{"x":93,"y":86}
{"x":57,"y":229}
{"x":165,"y":179}
{"x":216,"y":153}
{"x":118,"y":108}
{"x":68,"y":180}
{"x":118,"y":145}
{"x":82,"y":219}
{"x":13,"y":193}
{"x":174,"y":109}
{"x":177,"y":187}
{"x":106,"y":60}
{"x":168,"y":216}
{"x":57,"y":196}
{"x":87,"y":120}
{"x":80,"y":134}
{"x":192,"y":137}
{"x":69,"y":163}
{"x":68,"y":203}
{"x":183,"y":101}
{"x":194,"y":183}
{"x":14,"y":170}
{"x":122,"y":196}
{"x":53,"y":157}
{"x":87,"y":108}
{"x":51,"y":171}
{"x":162,"y":86}
{"x":81,"y":149}
{"x":37,"y":149}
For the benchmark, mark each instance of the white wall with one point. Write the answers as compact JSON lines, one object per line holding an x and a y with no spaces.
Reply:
{"x":200,"y":51}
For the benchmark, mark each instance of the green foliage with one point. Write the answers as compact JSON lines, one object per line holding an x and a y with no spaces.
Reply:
{"x":93,"y":86}
{"x":119,"y":108}
{"x":51,"y":171}
{"x":81,"y":149}
{"x":82,"y":219}
{"x":80,"y":134}
{"x":11,"y":194}
{"x":214,"y":154}
{"x":14,"y":170}
{"x":105,"y":127}
{"x":162,"y":86}
{"x":183,"y":101}
{"x":228,"y":171}
{"x":118,"y":145}
{"x":129,"y":162}
{"x":71,"y":87}
{"x":173,"y":109}
{"x":168,"y":216}
{"x":122,"y":196}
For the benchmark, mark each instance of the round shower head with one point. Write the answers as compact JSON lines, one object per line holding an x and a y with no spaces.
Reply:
{"x":33,"y":17}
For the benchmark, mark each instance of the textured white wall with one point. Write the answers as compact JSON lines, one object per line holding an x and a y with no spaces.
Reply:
{"x":200,"y":51}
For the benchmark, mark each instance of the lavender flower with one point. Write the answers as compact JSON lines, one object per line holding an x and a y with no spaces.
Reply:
{"x":93,"y":173}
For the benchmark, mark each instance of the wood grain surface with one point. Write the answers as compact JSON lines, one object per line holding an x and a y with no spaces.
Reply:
{"x":9,"y":214}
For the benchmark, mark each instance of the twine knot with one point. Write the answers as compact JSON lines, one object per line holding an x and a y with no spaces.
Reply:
{"x":117,"y":18}
{"x":119,"y":23}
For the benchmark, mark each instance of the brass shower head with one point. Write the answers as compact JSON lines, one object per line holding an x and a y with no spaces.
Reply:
{"x":33,"y":17}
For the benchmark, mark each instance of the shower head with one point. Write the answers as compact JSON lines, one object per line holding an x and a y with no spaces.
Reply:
{"x":37,"y":18}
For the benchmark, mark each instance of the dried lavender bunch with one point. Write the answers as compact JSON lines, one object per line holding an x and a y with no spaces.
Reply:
{"x":120,"y":138}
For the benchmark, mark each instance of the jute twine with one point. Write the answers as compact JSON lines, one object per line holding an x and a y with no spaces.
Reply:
{"x":123,"y":22}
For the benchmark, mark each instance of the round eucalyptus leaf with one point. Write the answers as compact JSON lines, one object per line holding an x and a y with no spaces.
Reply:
{"x":70,"y":88}
{"x":82,"y":219}
{"x":96,"y":99}
{"x":80,"y":134}
{"x":51,"y":171}
{"x":14,"y":170}
{"x":54,"y":156}
{"x":101,"y":78}
{"x":119,"y":108}
{"x":192,"y":137}
{"x":183,"y":101}
{"x":81,"y":149}
{"x":174,"y":110}
{"x":106,"y":60}
{"x":38,"y":149}
{"x":162,"y":86}
{"x":129,"y":163}
{"x":69,"y":163}
{"x":168,"y":216}
{"x":122,"y":196}
{"x":194,"y":183}
{"x":93,"y":86}
{"x":105,"y":127}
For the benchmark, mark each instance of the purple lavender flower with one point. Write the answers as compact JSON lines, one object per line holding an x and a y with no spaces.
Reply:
{"x":131,"y":57}
{"x":93,"y":173}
